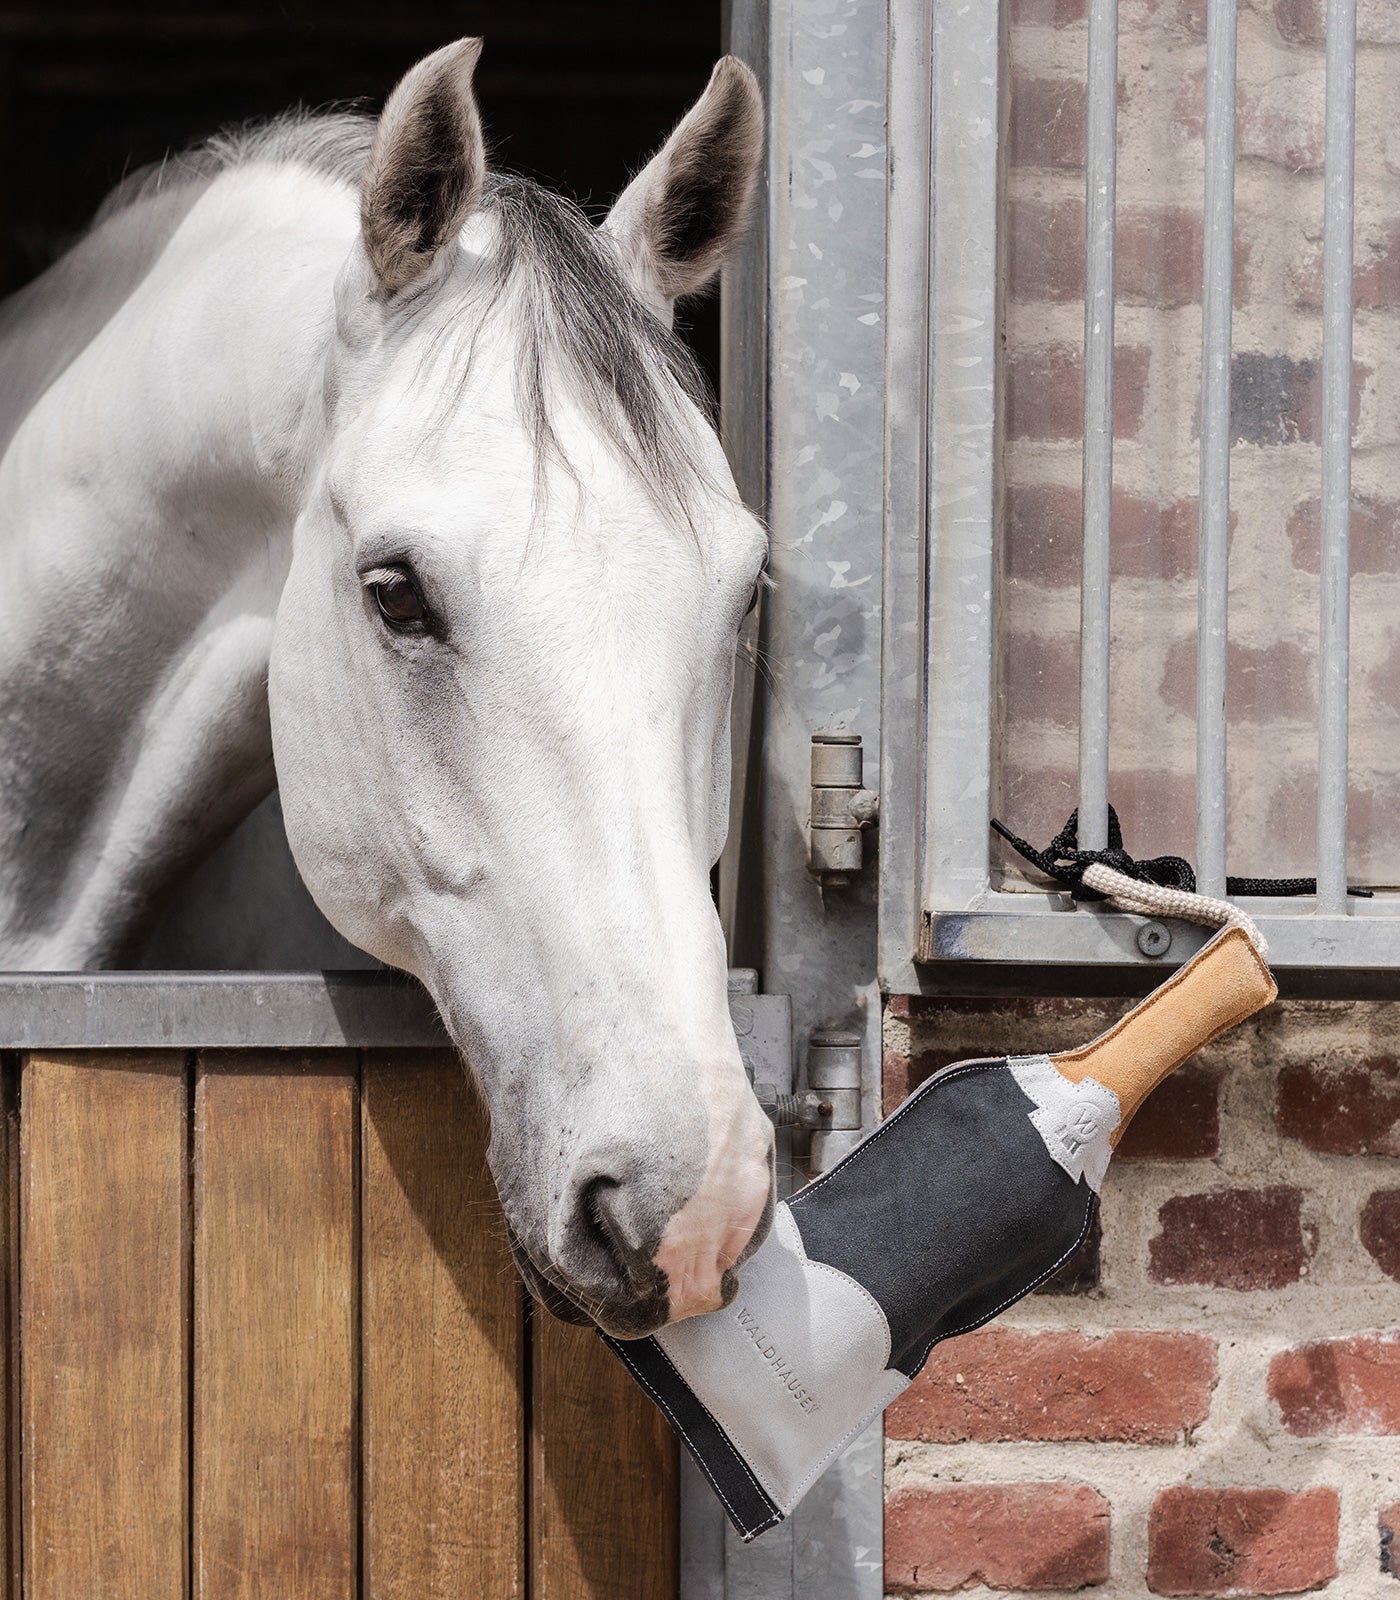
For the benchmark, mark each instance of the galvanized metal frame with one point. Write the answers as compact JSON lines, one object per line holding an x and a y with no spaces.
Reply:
{"x":803,"y":357}
{"x":350,"y":1010}
{"x":943,"y":926}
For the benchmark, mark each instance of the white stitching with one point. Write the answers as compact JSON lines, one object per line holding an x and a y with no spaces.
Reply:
{"x":1019,"y":1294}
{"x":983,"y":1064}
{"x":844,"y":1440}
{"x":845,"y":1277}
{"x":734,"y":1516}
{"x":682,"y":1372}
{"x":738,"y":1455}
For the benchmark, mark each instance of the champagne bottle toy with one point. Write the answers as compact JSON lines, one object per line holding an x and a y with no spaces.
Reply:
{"x":974,"y":1191}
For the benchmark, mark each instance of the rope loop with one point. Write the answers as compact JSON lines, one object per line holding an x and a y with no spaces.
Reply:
{"x":1152,"y":900}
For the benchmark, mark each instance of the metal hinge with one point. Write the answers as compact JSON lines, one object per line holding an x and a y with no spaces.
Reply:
{"x":841,"y":808}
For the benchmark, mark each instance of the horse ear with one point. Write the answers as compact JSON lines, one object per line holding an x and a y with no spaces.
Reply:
{"x":425,"y":169}
{"x":683,"y":212}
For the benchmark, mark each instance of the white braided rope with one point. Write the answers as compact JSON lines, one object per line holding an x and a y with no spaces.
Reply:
{"x":1153,"y":900}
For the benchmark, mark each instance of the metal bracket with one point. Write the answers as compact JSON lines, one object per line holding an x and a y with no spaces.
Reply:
{"x":841,"y":808}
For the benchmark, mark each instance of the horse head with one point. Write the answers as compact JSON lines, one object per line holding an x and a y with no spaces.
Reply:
{"x":501,"y":675}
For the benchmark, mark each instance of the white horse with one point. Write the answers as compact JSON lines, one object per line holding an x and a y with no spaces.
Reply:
{"x":333,"y":460}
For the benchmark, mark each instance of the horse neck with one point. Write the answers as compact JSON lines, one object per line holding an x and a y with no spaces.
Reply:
{"x":147,"y":499}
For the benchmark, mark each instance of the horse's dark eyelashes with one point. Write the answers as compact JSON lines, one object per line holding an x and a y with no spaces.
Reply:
{"x":399,"y":599}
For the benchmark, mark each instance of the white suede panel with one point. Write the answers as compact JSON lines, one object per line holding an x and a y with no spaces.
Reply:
{"x":1076,"y":1120}
{"x":794,"y":1369}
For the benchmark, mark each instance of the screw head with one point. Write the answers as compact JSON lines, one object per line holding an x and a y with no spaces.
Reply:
{"x":1154,"y":939}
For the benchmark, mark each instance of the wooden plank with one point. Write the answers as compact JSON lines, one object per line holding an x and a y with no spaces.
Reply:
{"x":10,"y":1572}
{"x":604,"y":1477}
{"x":442,"y":1343}
{"x":104,"y":1285}
{"x":275,"y":1326}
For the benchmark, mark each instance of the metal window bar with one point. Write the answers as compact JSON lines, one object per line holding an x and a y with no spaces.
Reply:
{"x":1100,"y":207}
{"x":1217,"y":284}
{"x":959,"y":920}
{"x":1335,"y":564}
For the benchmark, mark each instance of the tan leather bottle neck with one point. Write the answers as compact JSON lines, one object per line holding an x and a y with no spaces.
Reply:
{"x":1219,"y":986}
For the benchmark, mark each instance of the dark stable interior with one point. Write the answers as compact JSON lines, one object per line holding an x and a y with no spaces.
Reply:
{"x":575,"y":93}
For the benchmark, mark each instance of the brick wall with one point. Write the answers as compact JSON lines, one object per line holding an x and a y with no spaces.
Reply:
{"x":1276,"y":458}
{"x":1208,"y":1403}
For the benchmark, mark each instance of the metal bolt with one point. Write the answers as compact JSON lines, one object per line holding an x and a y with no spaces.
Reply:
{"x":1154,"y":939}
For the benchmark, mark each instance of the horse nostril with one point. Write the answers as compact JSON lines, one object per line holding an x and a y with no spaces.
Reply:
{"x":606,"y":1214}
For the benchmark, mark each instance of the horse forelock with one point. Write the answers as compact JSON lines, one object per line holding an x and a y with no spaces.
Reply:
{"x":575,"y":320}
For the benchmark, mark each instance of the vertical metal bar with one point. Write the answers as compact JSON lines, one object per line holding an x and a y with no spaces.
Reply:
{"x":908,"y":217}
{"x":743,"y":388}
{"x":1101,"y":166}
{"x":1214,"y":565}
{"x":1336,"y":458}
{"x":964,"y":328}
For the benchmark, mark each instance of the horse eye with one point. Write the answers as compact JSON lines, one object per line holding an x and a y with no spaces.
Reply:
{"x":399,"y":602}
{"x":753,"y":601}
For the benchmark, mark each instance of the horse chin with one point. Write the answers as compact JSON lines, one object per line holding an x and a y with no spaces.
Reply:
{"x":634,"y":1321}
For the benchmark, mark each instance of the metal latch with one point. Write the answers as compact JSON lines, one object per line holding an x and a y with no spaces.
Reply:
{"x":833,"y":1070}
{"x":841,"y":808}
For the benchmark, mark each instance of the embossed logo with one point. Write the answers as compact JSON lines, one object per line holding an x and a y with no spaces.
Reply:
{"x":1084,"y":1124}
{"x":778,"y":1364}
{"x":1076,"y":1120}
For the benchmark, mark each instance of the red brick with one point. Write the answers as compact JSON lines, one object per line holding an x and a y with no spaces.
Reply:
{"x":1375,"y":535}
{"x":1019,"y":1536}
{"x":1390,"y":1555}
{"x":1157,"y":255}
{"x":1150,"y":539}
{"x":1266,"y":682}
{"x":904,"y":1073}
{"x":1282,"y":122}
{"x":1157,"y":808}
{"x":1006,"y":1384}
{"x":1305,"y":21}
{"x":1241,"y":1541}
{"x":1040,"y":678}
{"x":1048,"y":121}
{"x":1232,"y":1239}
{"x":1380,"y":1230}
{"x":1045,"y":392}
{"x":1339,"y":1386}
{"x":1048,"y":13}
{"x":1157,"y":259}
{"x":1180,"y":1120}
{"x":1279,"y":121}
{"x":1376,"y":278}
{"x":1343,"y":1105}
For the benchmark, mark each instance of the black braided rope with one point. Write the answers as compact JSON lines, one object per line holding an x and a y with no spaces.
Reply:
{"x":1063,"y":860}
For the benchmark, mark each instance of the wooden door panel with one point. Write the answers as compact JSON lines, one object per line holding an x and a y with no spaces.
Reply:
{"x":275,"y":1327}
{"x":444,"y":1471}
{"x":105,"y":1349}
{"x":10,"y":1579}
{"x":285,"y":1336}
{"x":604,"y":1475}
